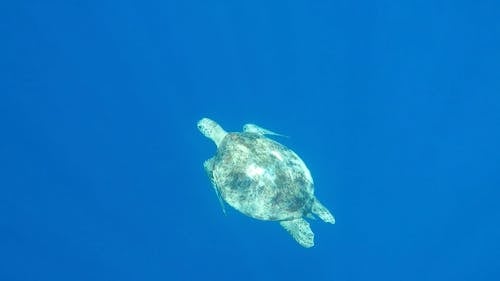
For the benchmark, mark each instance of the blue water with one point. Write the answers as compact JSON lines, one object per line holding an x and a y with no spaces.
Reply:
{"x":394,"y":106}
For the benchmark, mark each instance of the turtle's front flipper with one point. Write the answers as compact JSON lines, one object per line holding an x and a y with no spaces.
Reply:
{"x":300,"y":231}
{"x":322,"y":212}
{"x":252,"y":128}
{"x":208,"y":168}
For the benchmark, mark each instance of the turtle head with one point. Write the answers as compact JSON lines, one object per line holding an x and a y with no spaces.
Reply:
{"x":211,"y":130}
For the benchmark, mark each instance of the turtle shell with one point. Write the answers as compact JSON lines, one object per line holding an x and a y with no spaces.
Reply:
{"x":262,"y":178}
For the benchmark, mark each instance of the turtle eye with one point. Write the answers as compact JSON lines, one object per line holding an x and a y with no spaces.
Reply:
{"x":204,"y":129}
{"x":200,"y":126}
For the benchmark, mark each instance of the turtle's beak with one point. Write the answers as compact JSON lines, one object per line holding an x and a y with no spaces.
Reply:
{"x":211,"y":130}
{"x":206,"y":127}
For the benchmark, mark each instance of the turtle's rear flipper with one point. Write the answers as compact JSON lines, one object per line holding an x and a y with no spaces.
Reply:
{"x":322,"y":212}
{"x":300,"y":231}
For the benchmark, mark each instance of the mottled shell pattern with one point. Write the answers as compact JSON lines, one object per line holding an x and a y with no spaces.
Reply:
{"x":262,"y":178}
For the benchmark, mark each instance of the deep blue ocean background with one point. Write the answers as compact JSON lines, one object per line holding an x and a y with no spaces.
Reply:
{"x":393,"y":105}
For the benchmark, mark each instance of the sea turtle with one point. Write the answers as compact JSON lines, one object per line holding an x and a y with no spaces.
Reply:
{"x":263,"y":179}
